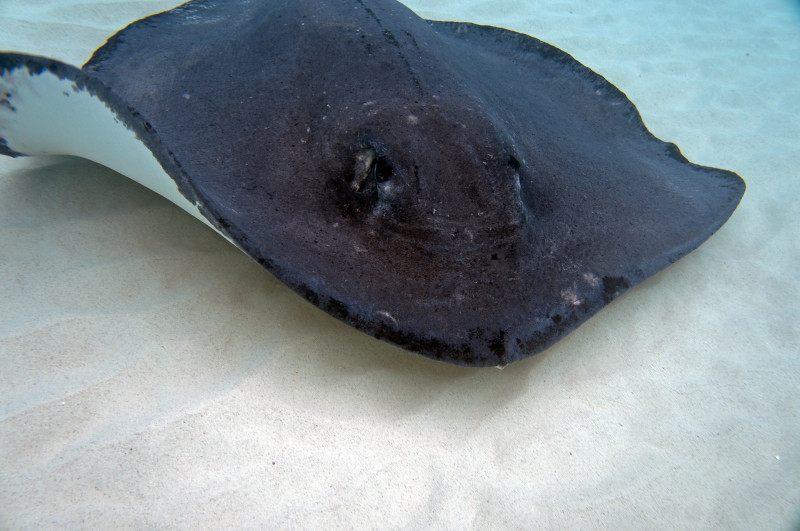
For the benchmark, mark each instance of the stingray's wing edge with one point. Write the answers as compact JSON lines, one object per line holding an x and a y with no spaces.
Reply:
{"x":522,"y":43}
{"x":52,"y":108}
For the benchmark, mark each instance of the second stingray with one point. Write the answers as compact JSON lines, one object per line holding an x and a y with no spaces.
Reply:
{"x":466,"y":192}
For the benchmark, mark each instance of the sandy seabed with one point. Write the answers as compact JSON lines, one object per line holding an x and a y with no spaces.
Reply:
{"x":151,"y":375}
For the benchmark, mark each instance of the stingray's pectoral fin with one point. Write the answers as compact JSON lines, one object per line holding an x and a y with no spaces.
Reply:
{"x":52,"y":108}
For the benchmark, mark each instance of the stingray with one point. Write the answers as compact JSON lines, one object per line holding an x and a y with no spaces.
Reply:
{"x":464,"y":192}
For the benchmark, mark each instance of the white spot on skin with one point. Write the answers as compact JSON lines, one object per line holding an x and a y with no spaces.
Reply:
{"x":592,"y":279}
{"x":571,"y":298}
{"x":387,"y":317}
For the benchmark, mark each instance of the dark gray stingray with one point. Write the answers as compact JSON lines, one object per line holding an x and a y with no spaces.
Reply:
{"x":465,"y":192}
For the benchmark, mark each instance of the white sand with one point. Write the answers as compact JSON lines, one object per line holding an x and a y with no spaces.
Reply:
{"x":151,"y":375}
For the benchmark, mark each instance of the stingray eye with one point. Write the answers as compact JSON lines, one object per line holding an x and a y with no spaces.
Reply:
{"x":364,"y":167}
{"x":372,"y":183}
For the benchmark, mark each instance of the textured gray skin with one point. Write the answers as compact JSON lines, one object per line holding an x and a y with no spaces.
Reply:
{"x":465,"y":192}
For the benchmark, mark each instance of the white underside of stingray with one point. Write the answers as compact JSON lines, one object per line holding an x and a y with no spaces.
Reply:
{"x":44,"y":115}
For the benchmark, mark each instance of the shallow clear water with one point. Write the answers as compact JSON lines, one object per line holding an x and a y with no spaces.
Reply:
{"x":151,"y":375}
